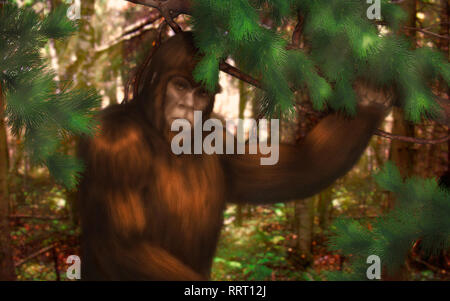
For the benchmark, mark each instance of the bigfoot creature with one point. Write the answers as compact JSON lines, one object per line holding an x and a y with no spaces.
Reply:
{"x":148,"y":214}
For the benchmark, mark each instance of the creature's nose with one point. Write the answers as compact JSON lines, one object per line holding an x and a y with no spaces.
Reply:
{"x":189,"y":100}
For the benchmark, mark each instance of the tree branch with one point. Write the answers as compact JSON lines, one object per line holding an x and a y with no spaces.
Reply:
{"x":235,"y":72}
{"x":152,"y":18}
{"x":169,"y":9}
{"x":134,"y":31}
{"x":40,"y":217}
{"x":296,"y":35}
{"x":175,"y":7}
{"x":172,"y":8}
{"x":411,"y":139}
{"x":35,"y":254}
{"x":427,"y":32}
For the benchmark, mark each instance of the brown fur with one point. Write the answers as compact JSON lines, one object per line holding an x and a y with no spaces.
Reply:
{"x":148,"y":214}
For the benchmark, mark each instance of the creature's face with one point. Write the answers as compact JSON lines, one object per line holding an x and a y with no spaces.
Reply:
{"x":182,"y":98}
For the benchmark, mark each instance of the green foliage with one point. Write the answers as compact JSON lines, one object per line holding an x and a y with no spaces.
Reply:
{"x":56,"y":25}
{"x":344,"y":45}
{"x":64,"y":168}
{"x":224,"y":28}
{"x":45,"y":110}
{"x":255,"y":250}
{"x":421,"y":212}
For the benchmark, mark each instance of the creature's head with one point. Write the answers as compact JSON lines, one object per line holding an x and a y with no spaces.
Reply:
{"x":169,"y":90}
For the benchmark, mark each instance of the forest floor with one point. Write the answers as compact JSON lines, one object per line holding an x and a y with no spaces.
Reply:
{"x":262,"y":247}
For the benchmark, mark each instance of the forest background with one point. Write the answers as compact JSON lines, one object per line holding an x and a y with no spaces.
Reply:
{"x":292,"y":241}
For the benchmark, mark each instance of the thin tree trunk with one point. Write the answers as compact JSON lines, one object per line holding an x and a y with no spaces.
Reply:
{"x":324,"y":208}
{"x":402,"y":153}
{"x":304,"y":210}
{"x":7,"y":271}
{"x":304,"y":213}
{"x":437,"y":165}
{"x":243,"y":99}
{"x":52,"y":50}
{"x":82,"y":76}
{"x":444,"y":46}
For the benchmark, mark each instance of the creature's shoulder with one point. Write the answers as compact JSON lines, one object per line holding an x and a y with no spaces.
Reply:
{"x":119,"y":148}
{"x":119,"y":120}
{"x":117,"y":117}
{"x":120,"y":128}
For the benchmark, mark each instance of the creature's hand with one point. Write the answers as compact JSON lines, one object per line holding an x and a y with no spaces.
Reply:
{"x":369,"y":95}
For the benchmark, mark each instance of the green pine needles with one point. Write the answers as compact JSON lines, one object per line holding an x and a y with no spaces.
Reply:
{"x":421,"y":212}
{"x":46,"y":111}
{"x":343,"y":44}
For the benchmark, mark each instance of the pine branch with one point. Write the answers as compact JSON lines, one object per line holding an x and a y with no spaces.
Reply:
{"x":36,"y":104}
{"x":172,"y":8}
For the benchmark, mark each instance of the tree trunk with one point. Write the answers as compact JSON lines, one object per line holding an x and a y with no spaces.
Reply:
{"x":324,"y":208}
{"x":444,"y":44}
{"x":304,"y":215}
{"x":7,"y":271}
{"x":304,"y":210}
{"x":82,"y":76}
{"x":402,"y":153}
{"x":243,"y":99}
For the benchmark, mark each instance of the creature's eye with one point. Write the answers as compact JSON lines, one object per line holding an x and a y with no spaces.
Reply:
{"x":181,"y":84}
{"x":203,"y":93}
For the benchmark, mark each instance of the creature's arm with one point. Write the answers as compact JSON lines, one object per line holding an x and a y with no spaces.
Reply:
{"x":114,"y":217}
{"x":328,"y":152}
{"x":147,"y":262}
{"x":140,"y":261}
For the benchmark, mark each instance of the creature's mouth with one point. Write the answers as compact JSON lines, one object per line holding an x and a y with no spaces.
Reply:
{"x":175,"y":119}
{"x":182,"y":119}
{"x":185,"y":107}
{"x":184,"y":112}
